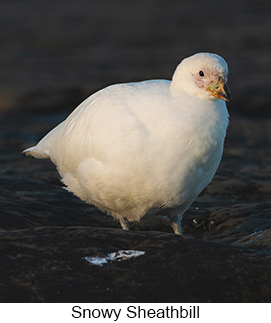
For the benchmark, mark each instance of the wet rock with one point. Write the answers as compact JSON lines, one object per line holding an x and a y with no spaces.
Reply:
{"x":47,"y":264}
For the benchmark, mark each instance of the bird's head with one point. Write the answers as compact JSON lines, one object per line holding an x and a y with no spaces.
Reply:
{"x":203,"y":75}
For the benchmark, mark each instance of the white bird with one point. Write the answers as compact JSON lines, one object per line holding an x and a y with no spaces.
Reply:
{"x":145,"y":147}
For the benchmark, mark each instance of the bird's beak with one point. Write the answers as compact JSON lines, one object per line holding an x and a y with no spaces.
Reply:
{"x":220,"y":90}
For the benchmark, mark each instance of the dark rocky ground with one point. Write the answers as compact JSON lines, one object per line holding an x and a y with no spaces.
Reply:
{"x":53,"y":56}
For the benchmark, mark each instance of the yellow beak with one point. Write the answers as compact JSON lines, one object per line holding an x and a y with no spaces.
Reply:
{"x":220,"y":90}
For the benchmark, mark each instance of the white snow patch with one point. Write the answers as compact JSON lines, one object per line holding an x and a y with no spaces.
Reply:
{"x":114,"y":256}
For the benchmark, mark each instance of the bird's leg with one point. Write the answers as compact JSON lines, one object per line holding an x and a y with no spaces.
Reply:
{"x":124,"y":224}
{"x":176,"y":224}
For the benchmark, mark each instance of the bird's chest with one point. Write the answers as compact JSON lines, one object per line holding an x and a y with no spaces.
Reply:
{"x":197,"y":150}
{"x":189,"y":162}
{"x":205,"y":147}
{"x":191,"y":144}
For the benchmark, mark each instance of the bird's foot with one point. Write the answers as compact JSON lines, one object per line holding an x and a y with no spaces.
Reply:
{"x":176,"y":226}
{"x":125,"y":225}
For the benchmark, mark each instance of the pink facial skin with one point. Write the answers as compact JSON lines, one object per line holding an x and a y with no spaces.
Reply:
{"x":204,"y":77}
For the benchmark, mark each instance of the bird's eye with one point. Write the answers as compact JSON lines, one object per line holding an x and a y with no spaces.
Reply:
{"x":201,"y":73}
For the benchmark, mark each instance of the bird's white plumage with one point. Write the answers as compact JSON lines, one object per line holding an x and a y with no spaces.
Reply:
{"x":140,"y":147}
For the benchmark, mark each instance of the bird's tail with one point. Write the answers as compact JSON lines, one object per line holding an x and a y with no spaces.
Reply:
{"x":36,"y":152}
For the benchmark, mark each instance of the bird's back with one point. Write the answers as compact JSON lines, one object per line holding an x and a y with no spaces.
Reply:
{"x":113,"y":112}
